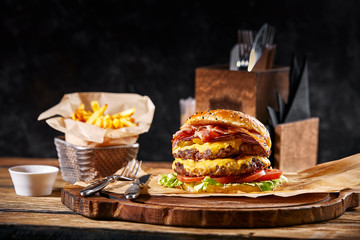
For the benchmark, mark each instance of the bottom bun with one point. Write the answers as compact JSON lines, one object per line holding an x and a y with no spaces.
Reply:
{"x":228,"y":188}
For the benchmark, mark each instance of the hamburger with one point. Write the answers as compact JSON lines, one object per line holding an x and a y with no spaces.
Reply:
{"x":222,"y":151}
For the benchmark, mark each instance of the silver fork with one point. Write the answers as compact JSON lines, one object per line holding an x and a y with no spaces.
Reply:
{"x":129,"y":173}
{"x":245,"y":41}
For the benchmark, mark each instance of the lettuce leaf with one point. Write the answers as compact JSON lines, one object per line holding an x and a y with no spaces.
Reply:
{"x":205,"y":183}
{"x":268,"y":185}
{"x":170,"y":180}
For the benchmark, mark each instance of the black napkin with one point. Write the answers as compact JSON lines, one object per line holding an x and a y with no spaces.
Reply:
{"x":299,"y":102}
{"x":298,"y":105}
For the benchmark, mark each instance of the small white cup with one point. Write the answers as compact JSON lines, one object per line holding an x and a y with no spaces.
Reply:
{"x":33,"y":180}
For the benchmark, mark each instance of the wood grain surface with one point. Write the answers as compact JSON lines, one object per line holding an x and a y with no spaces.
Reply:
{"x":47,"y":218}
{"x":222,"y":212}
{"x":296,"y":145}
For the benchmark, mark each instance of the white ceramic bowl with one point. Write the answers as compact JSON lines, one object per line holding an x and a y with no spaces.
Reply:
{"x":33,"y":180}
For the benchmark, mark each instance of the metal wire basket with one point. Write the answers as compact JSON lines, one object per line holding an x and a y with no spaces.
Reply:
{"x":86,"y":164}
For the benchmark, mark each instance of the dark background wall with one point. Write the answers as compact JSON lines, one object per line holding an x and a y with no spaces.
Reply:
{"x":49,"y":48}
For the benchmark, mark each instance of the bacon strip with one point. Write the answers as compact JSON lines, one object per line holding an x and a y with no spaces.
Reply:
{"x":210,"y":133}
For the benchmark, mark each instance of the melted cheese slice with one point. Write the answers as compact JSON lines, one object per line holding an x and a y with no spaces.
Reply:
{"x":202,"y":167}
{"x":215,"y":147}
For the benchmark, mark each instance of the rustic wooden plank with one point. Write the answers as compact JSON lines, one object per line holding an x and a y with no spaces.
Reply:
{"x":32,"y":215}
{"x":49,"y":204}
{"x":13,"y":161}
{"x":317,"y":231}
{"x":349,"y":217}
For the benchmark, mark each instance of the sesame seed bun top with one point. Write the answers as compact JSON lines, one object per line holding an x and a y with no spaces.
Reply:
{"x":230,"y":118}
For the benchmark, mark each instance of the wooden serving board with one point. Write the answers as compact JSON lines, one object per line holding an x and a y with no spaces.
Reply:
{"x":219,"y":212}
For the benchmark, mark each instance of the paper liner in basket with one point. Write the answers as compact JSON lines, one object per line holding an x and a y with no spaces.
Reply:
{"x":332,"y":176}
{"x":83,"y":134}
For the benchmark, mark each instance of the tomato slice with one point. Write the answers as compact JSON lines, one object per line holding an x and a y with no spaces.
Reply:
{"x":270,"y":174}
{"x":251,"y":177}
{"x":240,"y":179}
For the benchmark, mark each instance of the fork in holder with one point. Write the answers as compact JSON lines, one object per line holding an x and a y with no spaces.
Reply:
{"x":129,"y":174}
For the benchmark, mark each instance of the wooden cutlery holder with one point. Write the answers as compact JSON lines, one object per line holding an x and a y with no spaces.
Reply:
{"x":296,"y":145}
{"x":250,"y":92}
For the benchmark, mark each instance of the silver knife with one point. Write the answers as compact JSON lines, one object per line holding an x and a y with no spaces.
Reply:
{"x":100,"y":184}
{"x":258,"y":47}
{"x":135,"y":187}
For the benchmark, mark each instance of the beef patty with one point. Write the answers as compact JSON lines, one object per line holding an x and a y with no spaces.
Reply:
{"x":229,"y":151}
{"x":254,"y":166}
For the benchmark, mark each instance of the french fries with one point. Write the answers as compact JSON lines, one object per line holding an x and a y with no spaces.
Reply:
{"x":97,"y":117}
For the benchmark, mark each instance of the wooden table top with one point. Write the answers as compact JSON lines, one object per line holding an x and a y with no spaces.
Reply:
{"x":46,"y":217}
